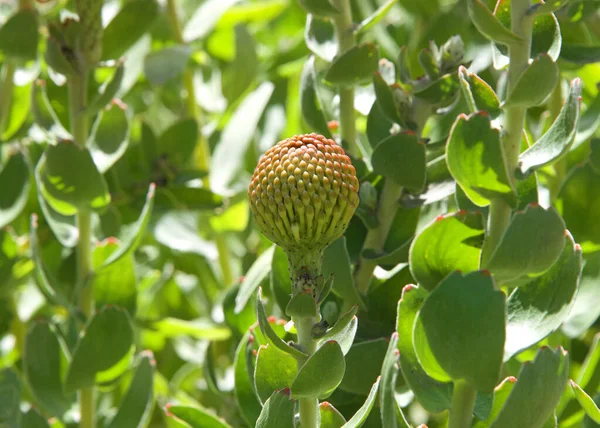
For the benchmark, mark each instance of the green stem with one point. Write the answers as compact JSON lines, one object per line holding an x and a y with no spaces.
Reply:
{"x":203,"y":157}
{"x":386,"y":211}
{"x":224,"y":259}
{"x":308,"y":406}
{"x":375,"y":239}
{"x":80,"y":130}
{"x":463,"y":403}
{"x":345,"y":38}
{"x":500,"y":211}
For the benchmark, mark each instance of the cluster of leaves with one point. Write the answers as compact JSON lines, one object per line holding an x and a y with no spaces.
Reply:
{"x":177,"y":339}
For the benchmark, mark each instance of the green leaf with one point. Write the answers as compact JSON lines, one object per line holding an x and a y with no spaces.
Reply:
{"x":580,"y":54}
{"x":375,"y":17}
{"x":110,"y":137}
{"x":269,"y":334}
{"x":108,"y":91}
{"x":275,"y":370}
{"x":586,"y":402}
{"x":114,"y":284}
{"x":319,"y":7}
{"x":484,"y":97}
{"x":10,"y":397}
{"x":132,"y":234}
{"x":343,"y":331}
{"x":19,"y":109}
{"x":321,"y":374}
{"x":532,"y":242}
{"x":70,"y":181}
{"x":547,"y":7}
{"x":319,"y":36}
{"x":302,"y":305}
{"x":546,"y":37}
{"x":205,"y":18}
{"x":336,"y":262}
{"x":386,"y":100}
{"x":501,"y":394}
{"x":441,"y":92}
{"x":557,"y":140}
{"x":451,"y":242}
{"x":127,"y":27}
{"x":14,"y":182}
{"x":201,"y":328}
{"x":362,"y":414}
{"x":241,"y":73}
{"x":278,"y":411}
{"x":387,"y":402}
{"x":489,"y":25}
{"x":45,"y":364}
{"x":586,"y":309}
{"x":257,"y":273}
{"x":330,"y":416}
{"x":310,"y":104}
{"x":196,"y":417}
{"x":354,"y":66}
{"x":281,"y":283}
{"x":32,"y":419}
{"x":475,"y":159}
{"x":136,"y":407}
{"x":538,"y":308}
{"x":105,"y":342}
{"x":539,"y":386}
{"x":363,"y":365}
{"x":588,"y":123}
{"x":166,"y":64}
{"x":577,"y":204}
{"x":19,"y":36}
{"x":431,"y":394}
{"x":535,"y":84}
{"x":185,"y":133}
{"x":401,"y":158}
{"x":235,"y":138}
{"x":244,"y":389}
{"x":462,"y":322}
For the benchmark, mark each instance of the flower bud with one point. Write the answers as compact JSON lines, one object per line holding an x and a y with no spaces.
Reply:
{"x":303,"y":193}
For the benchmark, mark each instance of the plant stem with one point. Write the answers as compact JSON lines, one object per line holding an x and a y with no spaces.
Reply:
{"x":77,"y":85}
{"x":375,"y":240}
{"x":308,"y":406}
{"x":386,"y":212}
{"x":203,"y":157}
{"x":345,"y":38}
{"x":463,"y":403}
{"x":202,"y":151}
{"x":500,"y":211}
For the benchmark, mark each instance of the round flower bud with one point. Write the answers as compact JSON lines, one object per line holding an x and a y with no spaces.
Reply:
{"x":303,"y":193}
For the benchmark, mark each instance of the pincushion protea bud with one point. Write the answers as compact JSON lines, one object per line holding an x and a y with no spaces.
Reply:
{"x":303,"y":193}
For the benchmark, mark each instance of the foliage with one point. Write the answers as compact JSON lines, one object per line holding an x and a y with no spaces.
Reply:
{"x":136,"y":289}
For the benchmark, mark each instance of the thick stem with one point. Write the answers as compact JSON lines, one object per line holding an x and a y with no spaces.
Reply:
{"x":386,"y":211}
{"x":375,"y":240}
{"x":308,"y":406}
{"x":500,"y":211}
{"x":80,"y":130}
{"x":345,"y":38}
{"x":463,"y":403}
{"x":224,"y":259}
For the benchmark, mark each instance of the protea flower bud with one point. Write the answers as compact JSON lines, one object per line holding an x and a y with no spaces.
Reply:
{"x":303,"y":193}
